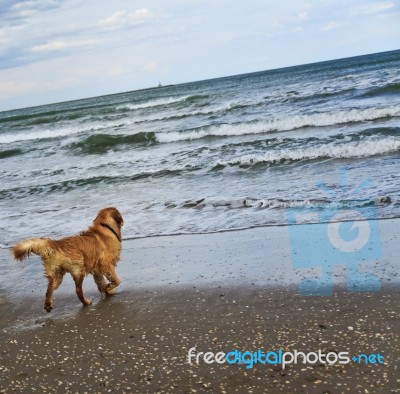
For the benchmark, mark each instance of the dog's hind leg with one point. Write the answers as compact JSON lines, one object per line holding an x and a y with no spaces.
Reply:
{"x":100,"y":282}
{"x":58,"y":278}
{"x":111,"y":275}
{"x":55,"y":280}
{"x":78,"y":279}
{"x":48,"y":303}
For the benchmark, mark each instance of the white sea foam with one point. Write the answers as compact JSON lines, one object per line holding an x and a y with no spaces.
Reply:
{"x":285,"y":124}
{"x":209,"y":110}
{"x":266,"y":126}
{"x":153,"y":103}
{"x":8,"y":138}
{"x":363,"y":148}
{"x":270,"y":203}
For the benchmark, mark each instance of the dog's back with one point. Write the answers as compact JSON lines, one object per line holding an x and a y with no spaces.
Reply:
{"x":84,"y":250}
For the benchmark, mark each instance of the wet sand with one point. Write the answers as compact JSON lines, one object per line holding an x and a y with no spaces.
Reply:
{"x":217,"y":292}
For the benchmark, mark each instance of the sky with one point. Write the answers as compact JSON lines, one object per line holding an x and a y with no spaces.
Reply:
{"x":52,"y":51}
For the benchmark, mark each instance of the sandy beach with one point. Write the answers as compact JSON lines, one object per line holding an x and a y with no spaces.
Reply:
{"x":214,"y":292}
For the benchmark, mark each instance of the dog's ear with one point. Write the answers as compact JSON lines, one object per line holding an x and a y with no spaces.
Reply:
{"x":117,"y":217}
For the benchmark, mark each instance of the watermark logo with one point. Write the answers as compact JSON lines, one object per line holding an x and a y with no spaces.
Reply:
{"x":341,"y":236}
{"x":280,"y":357}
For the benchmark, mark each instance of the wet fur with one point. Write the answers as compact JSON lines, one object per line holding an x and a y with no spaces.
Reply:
{"x":95,"y":251}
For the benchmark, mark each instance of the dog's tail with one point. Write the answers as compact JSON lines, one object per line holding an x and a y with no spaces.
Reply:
{"x":39,"y":246}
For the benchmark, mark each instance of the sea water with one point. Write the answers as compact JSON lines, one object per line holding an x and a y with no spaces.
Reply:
{"x":207,"y":156}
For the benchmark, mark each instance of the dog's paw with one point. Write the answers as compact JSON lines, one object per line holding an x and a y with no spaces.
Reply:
{"x":110,"y":293}
{"x":87,"y":302}
{"x":48,"y":307}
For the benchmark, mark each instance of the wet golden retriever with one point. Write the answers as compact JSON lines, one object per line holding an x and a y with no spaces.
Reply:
{"x":95,"y":251}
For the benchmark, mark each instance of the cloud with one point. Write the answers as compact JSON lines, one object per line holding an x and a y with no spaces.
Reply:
{"x":303,"y":15}
{"x":372,"y":9}
{"x":58,"y":45}
{"x":7,"y":32}
{"x":330,"y":26}
{"x":17,"y":12}
{"x":62,"y":83}
{"x":11,"y":88}
{"x":150,"y":67}
{"x":50,"y":41}
{"x":115,"y":71}
{"x":28,"y":7}
{"x":124,"y":18}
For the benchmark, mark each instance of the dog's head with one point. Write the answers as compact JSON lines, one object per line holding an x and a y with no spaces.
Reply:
{"x":109,"y":216}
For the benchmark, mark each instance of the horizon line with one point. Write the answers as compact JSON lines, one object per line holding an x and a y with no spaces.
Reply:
{"x":193,"y":82}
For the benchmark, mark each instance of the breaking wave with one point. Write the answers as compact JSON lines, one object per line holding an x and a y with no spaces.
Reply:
{"x":364,"y":148}
{"x":285,"y":124}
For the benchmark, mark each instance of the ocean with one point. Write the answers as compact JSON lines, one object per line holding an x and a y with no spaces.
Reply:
{"x":228,"y":153}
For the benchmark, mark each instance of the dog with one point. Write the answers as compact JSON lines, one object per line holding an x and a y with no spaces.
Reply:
{"x":95,"y":251}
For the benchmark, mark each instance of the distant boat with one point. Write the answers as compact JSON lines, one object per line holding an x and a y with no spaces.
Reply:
{"x":159,"y":85}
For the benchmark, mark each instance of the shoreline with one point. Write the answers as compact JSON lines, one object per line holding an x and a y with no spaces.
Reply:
{"x":257,"y":226}
{"x":228,"y":230}
{"x":260,"y":257}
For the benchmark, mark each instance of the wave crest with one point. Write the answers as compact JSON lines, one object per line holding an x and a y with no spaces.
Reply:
{"x":285,"y":124}
{"x":362,"y":148}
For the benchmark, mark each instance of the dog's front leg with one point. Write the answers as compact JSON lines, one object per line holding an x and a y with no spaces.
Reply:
{"x":111,"y":275}
{"x":79,"y":291}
